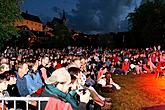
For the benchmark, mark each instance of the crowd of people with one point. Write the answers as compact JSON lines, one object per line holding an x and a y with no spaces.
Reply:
{"x":72,"y":76}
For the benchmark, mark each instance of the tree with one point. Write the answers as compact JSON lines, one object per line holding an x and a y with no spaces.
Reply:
{"x":9,"y":12}
{"x":62,"y":35}
{"x":106,"y":40}
{"x":147,"y":22}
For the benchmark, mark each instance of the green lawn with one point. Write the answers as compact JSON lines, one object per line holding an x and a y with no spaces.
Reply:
{"x":137,"y":92}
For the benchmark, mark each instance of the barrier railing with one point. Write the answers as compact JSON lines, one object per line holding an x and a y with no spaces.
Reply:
{"x":26,"y":99}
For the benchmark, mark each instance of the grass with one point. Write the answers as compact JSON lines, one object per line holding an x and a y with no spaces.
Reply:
{"x":137,"y":92}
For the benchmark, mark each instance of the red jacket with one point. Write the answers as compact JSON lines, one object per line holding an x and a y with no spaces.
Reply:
{"x":57,"y":104}
{"x":125,"y":66}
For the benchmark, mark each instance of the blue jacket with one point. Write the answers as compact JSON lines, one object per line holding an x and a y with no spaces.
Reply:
{"x":34,"y":81}
{"x":22,"y":86}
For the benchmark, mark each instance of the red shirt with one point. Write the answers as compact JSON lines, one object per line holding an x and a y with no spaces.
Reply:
{"x":58,"y":66}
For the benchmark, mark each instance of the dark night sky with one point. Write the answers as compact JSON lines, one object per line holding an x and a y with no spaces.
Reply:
{"x":90,"y":16}
{"x":47,"y":9}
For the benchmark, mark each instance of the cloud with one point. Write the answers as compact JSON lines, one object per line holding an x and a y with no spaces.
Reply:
{"x":90,"y":16}
{"x":102,"y":15}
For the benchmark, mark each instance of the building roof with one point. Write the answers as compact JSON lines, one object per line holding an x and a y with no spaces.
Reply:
{"x":31,"y":17}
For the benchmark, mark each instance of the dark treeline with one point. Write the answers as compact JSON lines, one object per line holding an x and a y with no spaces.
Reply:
{"x":110,"y":40}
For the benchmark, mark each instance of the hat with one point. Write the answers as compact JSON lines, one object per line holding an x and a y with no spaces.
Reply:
{"x":126,"y":60}
{"x":73,"y":65}
{"x":59,"y":75}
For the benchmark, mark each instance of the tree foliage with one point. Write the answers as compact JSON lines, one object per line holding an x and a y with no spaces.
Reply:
{"x":62,"y":35}
{"x":9,"y":12}
{"x":147,"y":22}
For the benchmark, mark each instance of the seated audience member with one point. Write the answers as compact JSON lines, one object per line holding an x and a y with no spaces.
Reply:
{"x":125,"y":66}
{"x":89,"y":81}
{"x":160,"y":69}
{"x":101,"y":76}
{"x":57,"y":86}
{"x":77,"y":85}
{"x":3,"y":87}
{"x":34,"y":82}
{"x":21,"y":79}
{"x":4,"y":61}
{"x":162,"y":57}
{"x":58,"y":65}
{"x":110,"y":82}
{"x":43,"y":69}
{"x":13,"y":90}
{"x":117,"y":68}
{"x":28,"y":79}
{"x":108,"y":62}
{"x":150,"y":65}
{"x":139,"y":67}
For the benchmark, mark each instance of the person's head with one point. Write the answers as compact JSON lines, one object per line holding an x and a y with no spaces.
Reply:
{"x":108,"y":75}
{"x":78,"y":78}
{"x":11,"y":77}
{"x":163,"y":54}
{"x":104,"y":65}
{"x":83,"y":61}
{"x":61,"y":79}
{"x":114,"y":55}
{"x":4,"y":60}
{"x":126,"y":60}
{"x":74,"y":72}
{"x":54,"y":62}
{"x":104,"y":69}
{"x":4,"y":67}
{"x":3,"y":82}
{"x":77,"y":62}
{"x":22,"y":69}
{"x":45,"y":60}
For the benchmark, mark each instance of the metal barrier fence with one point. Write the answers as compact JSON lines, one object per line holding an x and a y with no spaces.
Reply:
{"x":26,"y":99}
